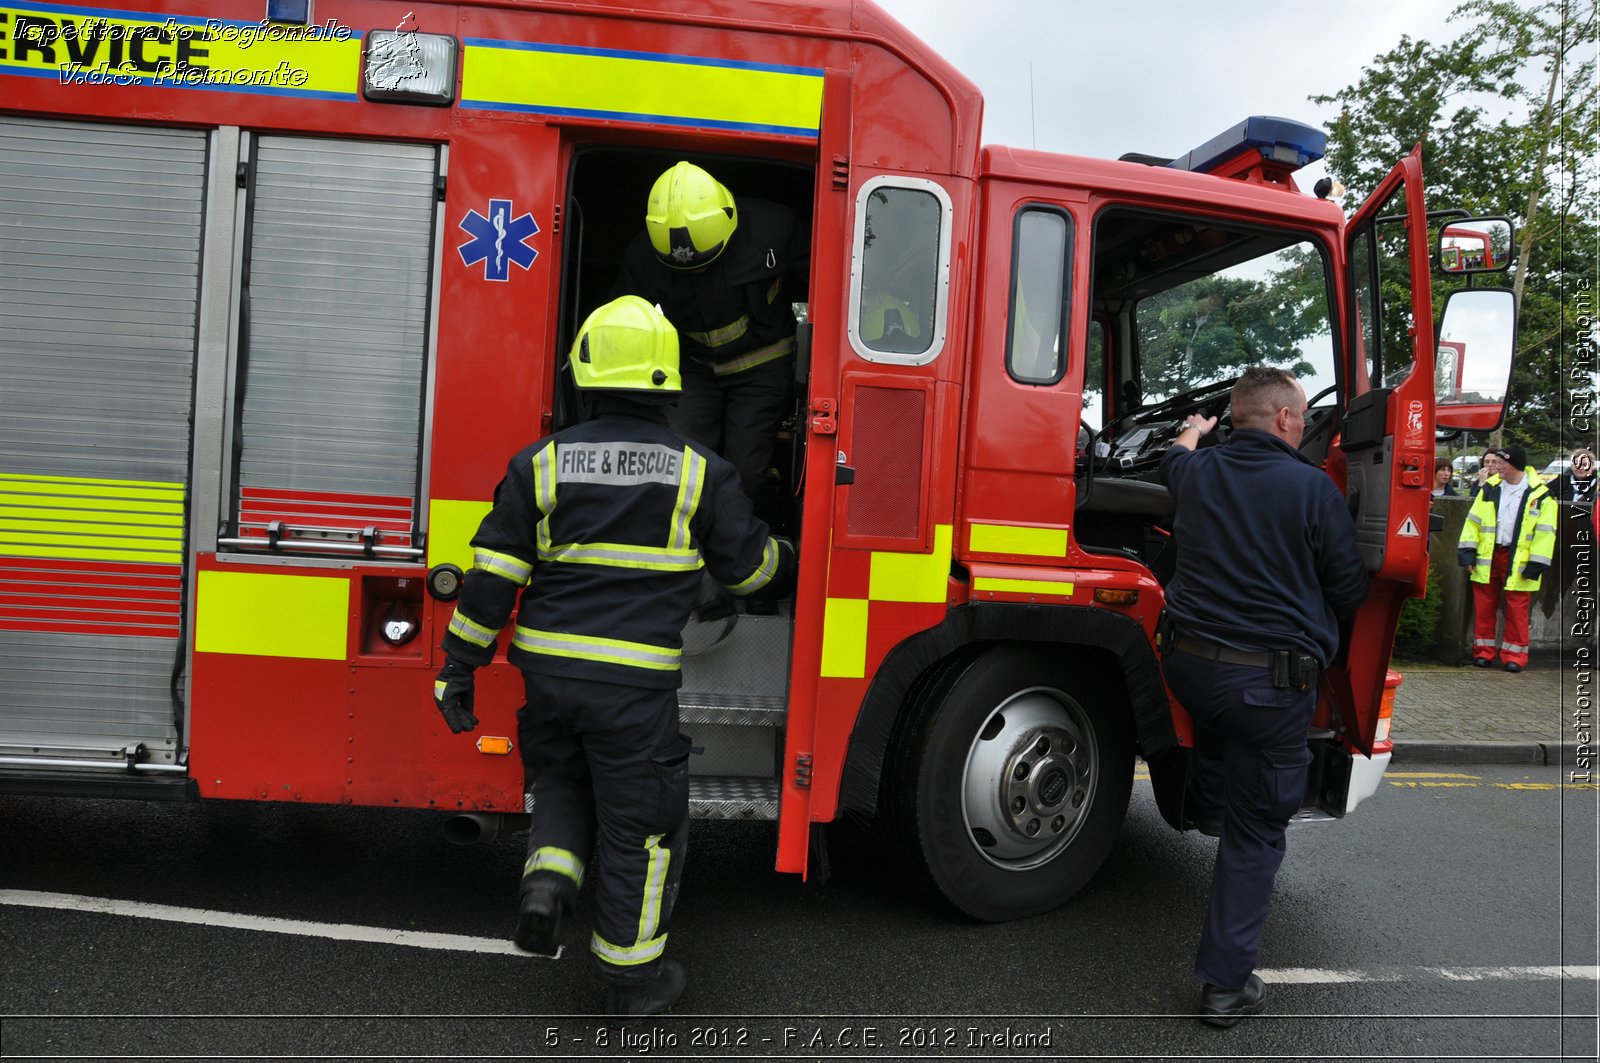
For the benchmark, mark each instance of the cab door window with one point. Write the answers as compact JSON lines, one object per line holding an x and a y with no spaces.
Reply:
{"x":1041,"y":278}
{"x":900,"y":277}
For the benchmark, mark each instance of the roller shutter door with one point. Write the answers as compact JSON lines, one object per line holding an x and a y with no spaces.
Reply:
{"x":337,"y":292}
{"x":100,"y":236}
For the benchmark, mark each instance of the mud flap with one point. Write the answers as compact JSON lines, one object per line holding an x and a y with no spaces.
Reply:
{"x":1169,"y":778}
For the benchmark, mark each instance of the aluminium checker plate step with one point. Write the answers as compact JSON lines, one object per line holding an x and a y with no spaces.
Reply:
{"x":730,"y":797}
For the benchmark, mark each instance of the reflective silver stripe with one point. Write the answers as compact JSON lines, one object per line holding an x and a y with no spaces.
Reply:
{"x":1506,"y":647}
{"x":759,"y":356}
{"x":763,"y":573}
{"x":1473,"y":518}
{"x":468,"y":630}
{"x":655,"y":878}
{"x":561,"y":861}
{"x":627,"y":955}
{"x":1537,"y":528}
{"x":505,"y":566}
{"x":1540,"y":560}
{"x":1483,"y":642}
{"x":688,"y":500}
{"x":617,"y":555}
{"x":723,"y":336}
{"x":595,"y":648}
{"x":544,"y":494}
{"x":1482,"y":562}
{"x":438,"y":689}
{"x":618,"y":464}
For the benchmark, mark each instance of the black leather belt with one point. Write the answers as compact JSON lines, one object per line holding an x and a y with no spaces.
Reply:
{"x":1212,"y":652}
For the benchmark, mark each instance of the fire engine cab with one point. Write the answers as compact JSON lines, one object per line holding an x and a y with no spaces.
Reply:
{"x":283,"y":295}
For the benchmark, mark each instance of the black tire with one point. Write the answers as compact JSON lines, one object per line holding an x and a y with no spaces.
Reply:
{"x":1013,"y":788}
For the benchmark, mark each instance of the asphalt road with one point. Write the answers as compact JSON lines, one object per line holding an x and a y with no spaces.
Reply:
{"x":1454,"y":917}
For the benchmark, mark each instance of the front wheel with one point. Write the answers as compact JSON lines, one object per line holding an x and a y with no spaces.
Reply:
{"x":1018,"y":785}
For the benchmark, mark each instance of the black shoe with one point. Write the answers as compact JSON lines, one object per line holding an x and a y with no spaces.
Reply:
{"x":544,"y":901}
{"x":1513,"y":666}
{"x":635,"y":1000}
{"x":1224,"y":1007}
{"x":1481,"y":662}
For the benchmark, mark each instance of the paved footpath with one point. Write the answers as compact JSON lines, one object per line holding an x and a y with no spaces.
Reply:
{"x":1487,"y":715}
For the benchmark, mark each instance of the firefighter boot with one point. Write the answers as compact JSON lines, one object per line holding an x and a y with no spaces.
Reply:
{"x":632,"y":1001}
{"x":545,"y":900}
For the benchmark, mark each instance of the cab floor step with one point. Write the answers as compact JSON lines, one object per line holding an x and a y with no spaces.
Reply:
{"x":739,"y":710}
{"x":732,"y":797}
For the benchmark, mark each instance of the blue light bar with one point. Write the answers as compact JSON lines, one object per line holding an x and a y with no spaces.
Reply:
{"x":1278,"y":139}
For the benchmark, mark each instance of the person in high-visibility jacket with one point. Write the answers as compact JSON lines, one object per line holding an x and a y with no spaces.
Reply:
{"x":1507,"y":542}
{"x":604,"y":529}
{"x":726,"y":274}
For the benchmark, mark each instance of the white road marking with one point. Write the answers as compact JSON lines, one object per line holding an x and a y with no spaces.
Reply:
{"x":494,"y":946}
{"x":1313,"y":976}
{"x":267,"y":924}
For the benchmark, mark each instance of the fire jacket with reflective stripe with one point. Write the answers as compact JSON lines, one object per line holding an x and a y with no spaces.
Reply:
{"x":608,"y":525}
{"x":733,"y":314}
{"x":1533,"y":537}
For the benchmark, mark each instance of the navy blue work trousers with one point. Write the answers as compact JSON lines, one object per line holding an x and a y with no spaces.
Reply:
{"x":1251,"y":761}
{"x":609,"y":771}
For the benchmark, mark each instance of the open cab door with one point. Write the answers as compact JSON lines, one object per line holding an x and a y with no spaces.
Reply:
{"x":1386,"y":440}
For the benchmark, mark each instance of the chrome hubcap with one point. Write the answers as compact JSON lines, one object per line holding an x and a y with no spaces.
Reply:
{"x":1030,"y":778}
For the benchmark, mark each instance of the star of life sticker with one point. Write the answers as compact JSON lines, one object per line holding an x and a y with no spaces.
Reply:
{"x":498,"y":240}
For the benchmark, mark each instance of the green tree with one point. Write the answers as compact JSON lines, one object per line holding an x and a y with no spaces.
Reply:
{"x":1507,"y":116}
{"x":1212,"y":328}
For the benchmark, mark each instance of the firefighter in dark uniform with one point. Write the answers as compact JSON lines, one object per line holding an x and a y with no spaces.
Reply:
{"x":726,"y":275}
{"x":607,"y":525}
{"x":1267,"y":572}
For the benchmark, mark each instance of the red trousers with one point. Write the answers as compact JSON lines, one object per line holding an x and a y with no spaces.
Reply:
{"x":1485,"y":604}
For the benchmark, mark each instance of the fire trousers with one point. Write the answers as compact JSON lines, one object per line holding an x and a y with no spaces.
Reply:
{"x":609,"y":771}
{"x":1485,"y":606}
{"x":1251,"y":763}
{"x":738,"y":415}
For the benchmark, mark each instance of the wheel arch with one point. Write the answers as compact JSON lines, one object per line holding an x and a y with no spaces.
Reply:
{"x":1113,"y":644}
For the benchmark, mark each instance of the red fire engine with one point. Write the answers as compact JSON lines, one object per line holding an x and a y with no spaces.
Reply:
{"x":283,"y":295}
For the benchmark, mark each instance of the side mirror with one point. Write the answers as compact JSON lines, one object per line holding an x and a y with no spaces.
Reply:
{"x":1476,"y":245}
{"x":1472,"y":363}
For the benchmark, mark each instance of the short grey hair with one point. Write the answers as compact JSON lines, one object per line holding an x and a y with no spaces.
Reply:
{"x":1259,"y":394}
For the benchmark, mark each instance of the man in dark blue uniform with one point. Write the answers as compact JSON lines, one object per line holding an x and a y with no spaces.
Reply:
{"x":1267,"y":571}
{"x":607,"y":525}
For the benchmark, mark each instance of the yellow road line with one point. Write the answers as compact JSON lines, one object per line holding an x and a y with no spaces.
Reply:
{"x":1428,"y":775}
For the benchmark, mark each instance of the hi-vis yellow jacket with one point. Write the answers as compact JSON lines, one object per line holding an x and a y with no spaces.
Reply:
{"x":1533,"y":537}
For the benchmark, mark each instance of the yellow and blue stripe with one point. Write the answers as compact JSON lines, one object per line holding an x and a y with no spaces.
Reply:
{"x":659,"y":88}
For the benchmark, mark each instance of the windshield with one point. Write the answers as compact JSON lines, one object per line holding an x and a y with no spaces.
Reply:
{"x":1198,"y":301}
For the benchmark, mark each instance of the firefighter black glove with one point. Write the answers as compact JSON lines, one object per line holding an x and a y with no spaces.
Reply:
{"x":1466,"y":556}
{"x":1534,"y":569}
{"x":452,"y":692}
{"x":714,"y":601}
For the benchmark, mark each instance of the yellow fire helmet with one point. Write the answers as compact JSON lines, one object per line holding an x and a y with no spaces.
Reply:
{"x":689,"y":216}
{"x":628,"y":346}
{"x":890,"y":324}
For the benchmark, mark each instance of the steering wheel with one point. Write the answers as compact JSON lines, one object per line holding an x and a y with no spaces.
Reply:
{"x":1319,"y":396}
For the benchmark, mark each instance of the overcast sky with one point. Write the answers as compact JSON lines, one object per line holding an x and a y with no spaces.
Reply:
{"x":1158,"y":76}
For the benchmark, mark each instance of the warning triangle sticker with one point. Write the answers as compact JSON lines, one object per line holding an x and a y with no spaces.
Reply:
{"x":1408,"y":529}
